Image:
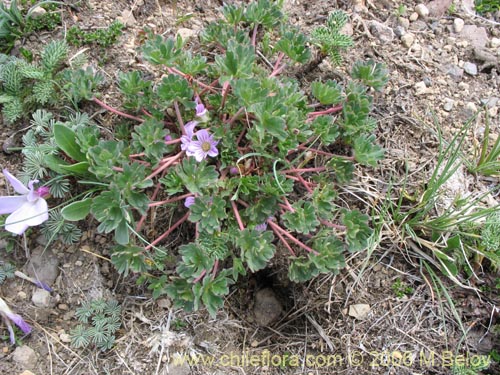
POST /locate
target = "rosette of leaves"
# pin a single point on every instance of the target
(100, 320)
(272, 190)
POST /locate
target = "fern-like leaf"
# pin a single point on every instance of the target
(53, 55)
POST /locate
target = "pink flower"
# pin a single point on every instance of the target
(188, 137)
(27, 209)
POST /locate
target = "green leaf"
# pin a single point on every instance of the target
(302, 269)
(327, 93)
(303, 219)
(56, 164)
(81, 168)
(372, 74)
(256, 248)
(122, 235)
(294, 45)
(358, 231)
(77, 210)
(194, 261)
(366, 151)
(197, 177)
(208, 212)
(66, 141)
(237, 63)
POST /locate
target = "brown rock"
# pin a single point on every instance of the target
(267, 308)
(437, 8)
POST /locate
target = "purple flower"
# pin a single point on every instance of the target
(204, 146)
(261, 227)
(9, 316)
(188, 137)
(40, 284)
(201, 111)
(27, 209)
(168, 137)
(189, 201)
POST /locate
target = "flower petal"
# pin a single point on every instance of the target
(203, 135)
(16, 184)
(28, 215)
(189, 128)
(11, 204)
(19, 321)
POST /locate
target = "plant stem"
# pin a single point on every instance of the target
(283, 241)
(334, 109)
(179, 117)
(171, 200)
(302, 170)
(114, 110)
(168, 162)
(203, 273)
(167, 233)
(237, 215)
(290, 237)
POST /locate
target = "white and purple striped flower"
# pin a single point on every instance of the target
(27, 209)
(8, 317)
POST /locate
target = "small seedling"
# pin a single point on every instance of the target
(401, 289)
(101, 320)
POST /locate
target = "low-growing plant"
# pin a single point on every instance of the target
(101, 319)
(102, 37)
(459, 232)
(401, 289)
(225, 158)
(488, 160)
(6, 271)
(487, 6)
(26, 86)
(16, 22)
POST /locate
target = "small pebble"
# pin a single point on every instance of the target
(42, 298)
(420, 88)
(422, 10)
(495, 42)
(470, 68)
(413, 16)
(62, 306)
(408, 39)
(21, 295)
(492, 112)
(428, 81)
(64, 337)
(448, 104)
(471, 107)
(399, 31)
(78, 263)
(458, 25)
(404, 22)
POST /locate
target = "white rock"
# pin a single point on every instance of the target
(408, 39)
(37, 12)
(359, 311)
(470, 68)
(471, 107)
(458, 25)
(42, 298)
(413, 16)
(422, 10)
(186, 33)
(495, 42)
(493, 111)
(25, 357)
(383, 32)
(127, 18)
(64, 337)
(420, 88)
(448, 104)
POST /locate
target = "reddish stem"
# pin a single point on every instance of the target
(306, 184)
(203, 273)
(332, 225)
(225, 91)
(168, 162)
(302, 170)
(254, 35)
(214, 270)
(283, 241)
(114, 110)
(290, 237)
(236, 115)
(167, 233)
(328, 111)
(179, 117)
(237, 215)
(171, 200)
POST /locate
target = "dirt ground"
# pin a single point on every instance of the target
(352, 323)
